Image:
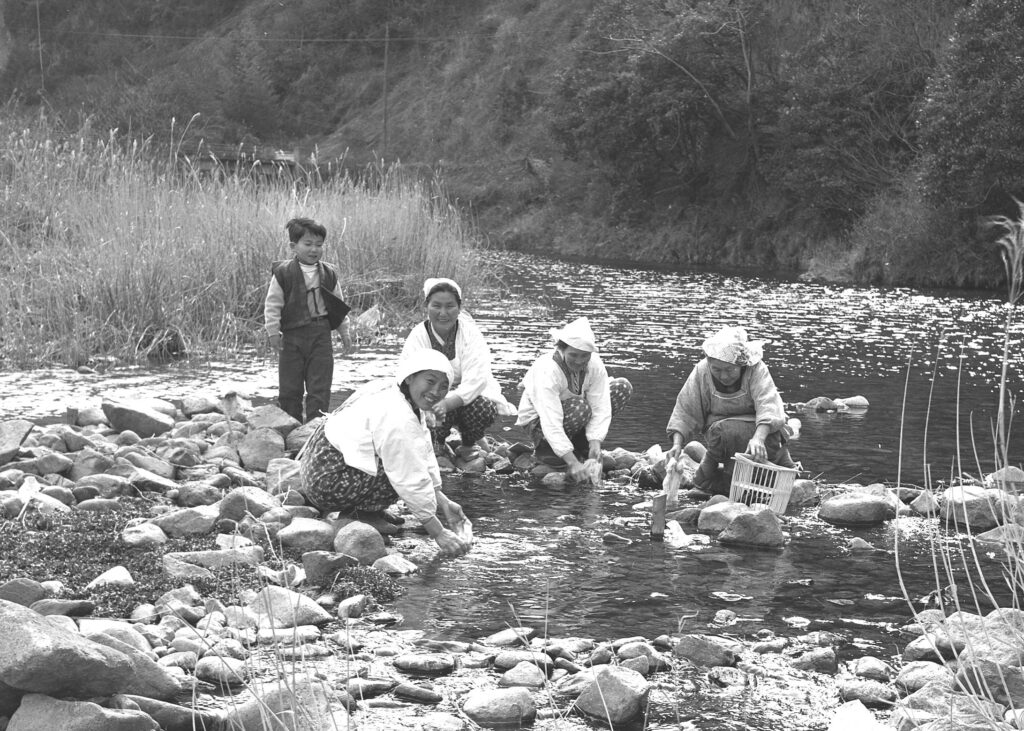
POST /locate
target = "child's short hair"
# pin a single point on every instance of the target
(299, 226)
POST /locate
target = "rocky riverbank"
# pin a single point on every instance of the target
(289, 643)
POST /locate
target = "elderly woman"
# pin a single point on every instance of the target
(375, 448)
(568, 400)
(475, 398)
(730, 399)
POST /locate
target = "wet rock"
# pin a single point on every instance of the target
(503, 706)
(362, 688)
(717, 517)
(259, 447)
(511, 636)
(869, 692)
(818, 660)
(1009, 536)
(417, 693)
(13, 433)
(917, 674)
(872, 668)
(821, 403)
(1000, 683)
(804, 493)
(939, 701)
(223, 672)
(395, 564)
(978, 507)
(525, 674)
(360, 541)
(173, 717)
(925, 504)
(616, 695)
(508, 659)
(1009, 478)
(856, 508)
(142, 420)
(755, 529)
(435, 663)
(853, 716)
(276, 606)
(441, 722)
(707, 650)
(353, 606)
(43, 712)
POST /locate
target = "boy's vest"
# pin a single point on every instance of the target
(295, 312)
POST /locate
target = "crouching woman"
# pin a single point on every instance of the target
(375, 449)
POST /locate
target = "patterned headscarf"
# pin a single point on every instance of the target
(731, 345)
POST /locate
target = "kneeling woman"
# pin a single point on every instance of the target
(475, 397)
(730, 399)
(568, 400)
(375, 448)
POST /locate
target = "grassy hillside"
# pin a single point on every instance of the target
(774, 134)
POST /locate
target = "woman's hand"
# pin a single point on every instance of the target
(756, 449)
(450, 544)
(578, 471)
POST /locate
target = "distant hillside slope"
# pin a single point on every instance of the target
(818, 137)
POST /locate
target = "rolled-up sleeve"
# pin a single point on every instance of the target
(475, 359)
(545, 385)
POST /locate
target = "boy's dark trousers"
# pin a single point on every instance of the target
(306, 365)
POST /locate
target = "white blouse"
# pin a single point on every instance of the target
(472, 363)
(378, 420)
(545, 387)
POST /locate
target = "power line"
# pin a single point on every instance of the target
(253, 39)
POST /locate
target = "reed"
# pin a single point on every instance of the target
(111, 248)
(966, 580)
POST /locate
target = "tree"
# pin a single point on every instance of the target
(972, 118)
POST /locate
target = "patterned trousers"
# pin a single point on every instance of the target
(331, 485)
(576, 413)
(724, 439)
(470, 419)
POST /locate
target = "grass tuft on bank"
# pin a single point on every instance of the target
(109, 247)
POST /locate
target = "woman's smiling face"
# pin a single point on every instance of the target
(443, 310)
(426, 388)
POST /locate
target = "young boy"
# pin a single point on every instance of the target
(302, 309)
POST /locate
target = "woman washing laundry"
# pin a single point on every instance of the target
(731, 400)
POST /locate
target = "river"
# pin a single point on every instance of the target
(928, 363)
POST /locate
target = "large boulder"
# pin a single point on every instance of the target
(978, 507)
(717, 517)
(38, 712)
(511, 707)
(361, 542)
(857, 508)
(12, 434)
(754, 529)
(39, 656)
(137, 418)
(259, 447)
(616, 695)
(278, 607)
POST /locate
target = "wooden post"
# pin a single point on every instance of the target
(658, 517)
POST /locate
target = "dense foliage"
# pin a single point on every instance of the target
(866, 134)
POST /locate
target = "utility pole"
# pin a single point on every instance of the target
(387, 35)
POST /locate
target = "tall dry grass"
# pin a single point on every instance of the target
(966, 577)
(108, 248)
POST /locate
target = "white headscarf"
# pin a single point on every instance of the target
(429, 284)
(423, 360)
(578, 335)
(731, 345)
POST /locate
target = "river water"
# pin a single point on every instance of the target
(928, 363)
